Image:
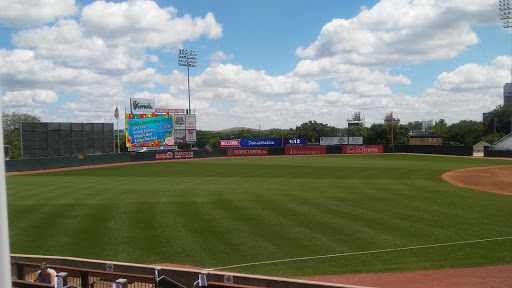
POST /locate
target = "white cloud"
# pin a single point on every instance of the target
(401, 31)
(219, 55)
(22, 13)
(472, 77)
(144, 23)
(67, 44)
(29, 98)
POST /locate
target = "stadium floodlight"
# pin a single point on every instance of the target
(187, 58)
(505, 7)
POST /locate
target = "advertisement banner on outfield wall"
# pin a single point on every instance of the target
(333, 140)
(149, 130)
(294, 142)
(355, 140)
(171, 155)
(306, 150)
(362, 149)
(236, 152)
(230, 143)
(261, 142)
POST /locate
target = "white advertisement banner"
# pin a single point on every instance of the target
(142, 105)
(170, 111)
(179, 121)
(180, 136)
(333, 140)
(191, 135)
(355, 140)
(190, 121)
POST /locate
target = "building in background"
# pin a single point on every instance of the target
(507, 94)
(357, 120)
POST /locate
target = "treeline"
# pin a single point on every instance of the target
(496, 125)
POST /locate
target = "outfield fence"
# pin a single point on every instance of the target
(20, 165)
(86, 273)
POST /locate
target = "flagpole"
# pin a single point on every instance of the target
(116, 114)
(5, 256)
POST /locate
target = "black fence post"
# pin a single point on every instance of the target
(20, 271)
(84, 279)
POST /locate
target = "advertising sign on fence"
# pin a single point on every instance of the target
(316, 150)
(262, 142)
(362, 149)
(190, 121)
(191, 135)
(180, 136)
(171, 155)
(149, 130)
(333, 140)
(247, 152)
(179, 121)
(355, 140)
(294, 141)
(230, 143)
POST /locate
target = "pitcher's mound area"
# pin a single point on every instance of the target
(497, 179)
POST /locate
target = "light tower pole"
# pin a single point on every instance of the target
(189, 59)
(505, 7)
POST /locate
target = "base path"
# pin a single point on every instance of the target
(497, 179)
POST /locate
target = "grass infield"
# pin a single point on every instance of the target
(221, 212)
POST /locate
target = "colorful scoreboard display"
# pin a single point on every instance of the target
(149, 131)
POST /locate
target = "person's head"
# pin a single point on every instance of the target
(44, 266)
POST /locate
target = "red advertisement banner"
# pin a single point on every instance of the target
(247, 152)
(305, 150)
(230, 143)
(362, 149)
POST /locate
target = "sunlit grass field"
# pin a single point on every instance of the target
(222, 212)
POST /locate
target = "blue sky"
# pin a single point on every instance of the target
(271, 63)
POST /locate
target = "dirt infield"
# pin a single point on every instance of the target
(497, 179)
(480, 277)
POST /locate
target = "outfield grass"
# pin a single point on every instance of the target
(221, 212)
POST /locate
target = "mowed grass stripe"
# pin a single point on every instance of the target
(220, 212)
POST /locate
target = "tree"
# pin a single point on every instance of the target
(11, 123)
(440, 128)
(379, 134)
(315, 130)
(467, 132)
(416, 125)
(401, 134)
(503, 116)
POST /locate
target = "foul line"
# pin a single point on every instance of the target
(356, 253)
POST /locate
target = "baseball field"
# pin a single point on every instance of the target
(324, 215)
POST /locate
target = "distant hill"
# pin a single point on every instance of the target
(235, 129)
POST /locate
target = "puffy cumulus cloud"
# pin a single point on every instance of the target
(22, 13)
(400, 31)
(67, 44)
(472, 77)
(219, 55)
(221, 79)
(352, 79)
(29, 98)
(144, 23)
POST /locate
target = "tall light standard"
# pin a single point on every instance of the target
(189, 59)
(505, 14)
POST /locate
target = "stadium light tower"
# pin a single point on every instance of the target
(505, 7)
(189, 59)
